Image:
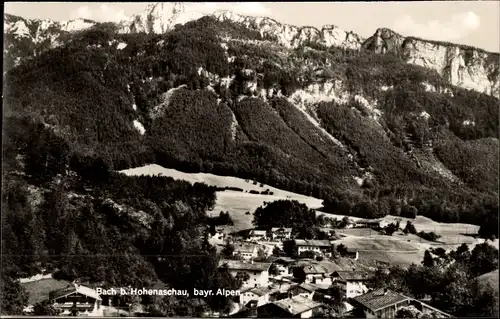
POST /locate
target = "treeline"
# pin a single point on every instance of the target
(70, 214)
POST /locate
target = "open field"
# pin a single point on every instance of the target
(396, 249)
(490, 278)
(235, 202)
(39, 290)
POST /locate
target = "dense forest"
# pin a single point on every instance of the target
(206, 94)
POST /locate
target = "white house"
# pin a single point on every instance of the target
(352, 282)
(259, 295)
(385, 303)
(297, 307)
(258, 273)
(317, 274)
(246, 251)
(319, 246)
(281, 233)
(219, 237)
(258, 235)
(77, 299)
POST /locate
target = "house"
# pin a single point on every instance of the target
(284, 266)
(219, 236)
(246, 251)
(305, 290)
(317, 274)
(319, 246)
(258, 273)
(258, 235)
(281, 234)
(78, 300)
(353, 254)
(259, 295)
(295, 307)
(385, 303)
(352, 282)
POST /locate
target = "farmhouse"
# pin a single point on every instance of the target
(317, 274)
(284, 266)
(295, 307)
(77, 300)
(320, 246)
(368, 223)
(219, 236)
(258, 235)
(258, 273)
(258, 295)
(353, 282)
(281, 234)
(246, 251)
(305, 290)
(385, 303)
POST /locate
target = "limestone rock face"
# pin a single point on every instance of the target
(293, 36)
(463, 66)
(157, 18)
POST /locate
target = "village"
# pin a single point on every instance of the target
(286, 277)
(282, 277)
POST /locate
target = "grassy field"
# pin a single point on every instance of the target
(236, 203)
(39, 290)
(372, 246)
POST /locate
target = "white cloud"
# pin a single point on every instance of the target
(104, 13)
(456, 27)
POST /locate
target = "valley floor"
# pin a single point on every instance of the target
(371, 245)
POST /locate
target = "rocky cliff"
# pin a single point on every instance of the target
(463, 66)
(460, 65)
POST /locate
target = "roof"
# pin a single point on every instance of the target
(287, 229)
(353, 275)
(258, 232)
(315, 269)
(317, 243)
(240, 265)
(262, 291)
(377, 300)
(249, 248)
(75, 288)
(297, 304)
(309, 287)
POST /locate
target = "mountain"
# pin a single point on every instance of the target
(463, 66)
(353, 124)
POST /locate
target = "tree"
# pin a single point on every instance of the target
(273, 270)
(284, 213)
(342, 250)
(228, 250)
(404, 313)
(410, 228)
(483, 259)
(428, 260)
(290, 248)
(13, 297)
(299, 273)
(45, 308)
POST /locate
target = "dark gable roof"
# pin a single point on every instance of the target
(377, 300)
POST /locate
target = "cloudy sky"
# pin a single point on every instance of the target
(475, 23)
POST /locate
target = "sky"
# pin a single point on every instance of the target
(475, 23)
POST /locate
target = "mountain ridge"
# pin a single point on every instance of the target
(464, 66)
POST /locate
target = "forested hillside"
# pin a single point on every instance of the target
(368, 133)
